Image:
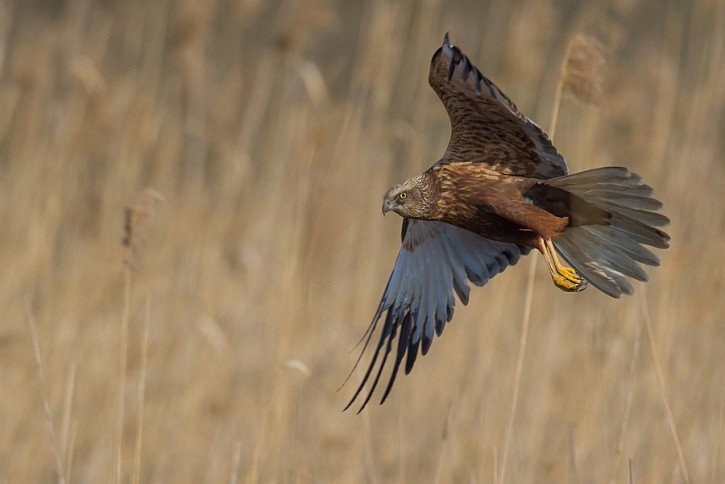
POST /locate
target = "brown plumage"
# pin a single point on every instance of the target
(500, 190)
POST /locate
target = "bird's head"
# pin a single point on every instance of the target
(411, 198)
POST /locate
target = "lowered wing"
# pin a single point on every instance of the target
(436, 259)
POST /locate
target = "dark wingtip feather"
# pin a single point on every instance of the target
(451, 67)
(466, 69)
(412, 355)
(387, 330)
(388, 347)
(426, 344)
(440, 325)
(364, 380)
(405, 332)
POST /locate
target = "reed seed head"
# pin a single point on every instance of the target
(583, 73)
(138, 217)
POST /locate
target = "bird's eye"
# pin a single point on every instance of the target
(403, 195)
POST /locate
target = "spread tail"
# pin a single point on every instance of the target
(612, 217)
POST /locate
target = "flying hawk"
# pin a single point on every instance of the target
(500, 190)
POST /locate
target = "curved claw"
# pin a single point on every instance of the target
(569, 280)
(565, 278)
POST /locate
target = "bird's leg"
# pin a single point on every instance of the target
(568, 272)
(565, 278)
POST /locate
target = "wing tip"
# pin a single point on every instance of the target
(449, 52)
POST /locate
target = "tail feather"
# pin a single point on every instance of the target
(645, 217)
(632, 249)
(613, 254)
(626, 199)
(639, 232)
(608, 251)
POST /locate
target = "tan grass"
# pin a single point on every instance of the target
(138, 444)
(122, 364)
(672, 427)
(69, 424)
(60, 474)
(272, 132)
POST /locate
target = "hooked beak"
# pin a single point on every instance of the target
(387, 206)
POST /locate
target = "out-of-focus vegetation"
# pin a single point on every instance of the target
(272, 129)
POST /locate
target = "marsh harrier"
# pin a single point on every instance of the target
(500, 190)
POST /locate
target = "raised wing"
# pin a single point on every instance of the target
(435, 260)
(486, 126)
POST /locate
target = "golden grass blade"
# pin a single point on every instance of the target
(662, 390)
(46, 408)
(519, 365)
(141, 393)
(66, 445)
(236, 458)
(122, 357)
(372, 473)
(628, 404)
(494, 478)
(444, 445)
(573, 471)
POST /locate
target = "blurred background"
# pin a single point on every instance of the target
(212, 349)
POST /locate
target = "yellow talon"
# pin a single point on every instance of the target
(569, 273)
(566, 284)
(565, 278)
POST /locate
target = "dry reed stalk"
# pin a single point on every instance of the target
(265, 420)
(444, 446)
(137, 222)
(141, 393)
(631, 477)
(369, 457)
(253, 470)
(582, 73)
(71, 445)
(573, 473)
(494, 478)
(236, 459)
(715, 469)
(662, 390)
(46, 406)
(65, 432)
(628, 404)
(519, 365)
(123, 351)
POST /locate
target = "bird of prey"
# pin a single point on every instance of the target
(500, 190)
